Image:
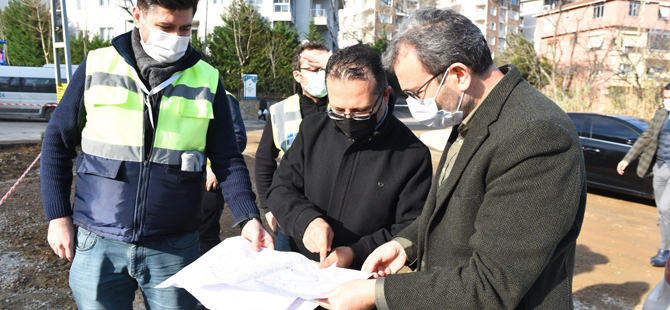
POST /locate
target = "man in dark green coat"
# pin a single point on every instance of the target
(500, 224)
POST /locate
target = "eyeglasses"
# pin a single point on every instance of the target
(415, 94)
(359, 116)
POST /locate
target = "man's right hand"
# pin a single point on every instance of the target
(621, 167)
(318, 238)
(61, 237)
(212, 184)
(385, 260)
(272, 221)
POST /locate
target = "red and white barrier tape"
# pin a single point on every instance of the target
(30, 104)
(20, 179)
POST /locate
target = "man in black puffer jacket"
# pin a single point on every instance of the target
(354, 176)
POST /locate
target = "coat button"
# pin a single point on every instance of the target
(380, 184)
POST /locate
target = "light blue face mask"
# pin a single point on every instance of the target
(317, 83)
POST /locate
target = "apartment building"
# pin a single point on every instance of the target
(367, 20)
(495, 18)
(108, 18)
(612, 45)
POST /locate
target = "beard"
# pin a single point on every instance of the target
(448, 101)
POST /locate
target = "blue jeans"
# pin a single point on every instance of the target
(105, 273)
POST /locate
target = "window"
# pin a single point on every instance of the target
(580, 124)
(514, 2)
(598, 10)
(492, 41)
(511, 29)
(513, 15)
(596, 41)
(9, 83)
(653, 71)
(104, 2)
(106, 33)
(663, 12)
(386, 19)
(385, 2)
(658, 40)
(503, 14)
(502, 27)
(625, 69)
(38, 85)
(634, 8)
(629, 40)
(501, 44)
(81, 4)
(494, 11)
(612, 131)
(282, 5)
(492, 26)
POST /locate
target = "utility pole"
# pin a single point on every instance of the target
(204, 48)
(61, 38)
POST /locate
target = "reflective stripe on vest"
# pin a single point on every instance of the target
(115, 113)
(286, 119)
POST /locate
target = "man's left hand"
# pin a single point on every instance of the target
(259, 237)
(353, 295)
(342, 257)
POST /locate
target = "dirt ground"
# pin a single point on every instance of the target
(612, 265)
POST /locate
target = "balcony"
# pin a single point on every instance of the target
(282, 12)
(319, 16)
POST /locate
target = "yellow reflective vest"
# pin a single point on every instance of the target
(286, 118)
(112, 97)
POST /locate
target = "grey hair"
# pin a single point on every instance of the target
(440, 39)
(357, 62)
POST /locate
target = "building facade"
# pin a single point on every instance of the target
(607, 45)
(366, 21)
(495, 18)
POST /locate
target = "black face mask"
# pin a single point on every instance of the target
(357, 129)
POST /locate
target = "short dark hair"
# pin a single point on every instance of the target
(357, 62)
(667, 87)
(172, 5)
(440, 39)
(316, 45)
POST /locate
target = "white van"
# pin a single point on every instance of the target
(28, 92)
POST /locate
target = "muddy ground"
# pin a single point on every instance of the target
(612, 265)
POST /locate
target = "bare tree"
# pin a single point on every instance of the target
(39, 21)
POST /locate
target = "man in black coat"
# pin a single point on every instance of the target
(354, 176)
(501, 221)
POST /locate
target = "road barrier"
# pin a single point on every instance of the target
(30, 104)
(20, 179)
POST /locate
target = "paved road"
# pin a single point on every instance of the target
(14, 130)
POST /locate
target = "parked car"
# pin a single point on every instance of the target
(605, 141)
(659, 297)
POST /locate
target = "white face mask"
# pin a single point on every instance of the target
(425, 111)
(666, 103)
(317, 83)
(162, 46)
